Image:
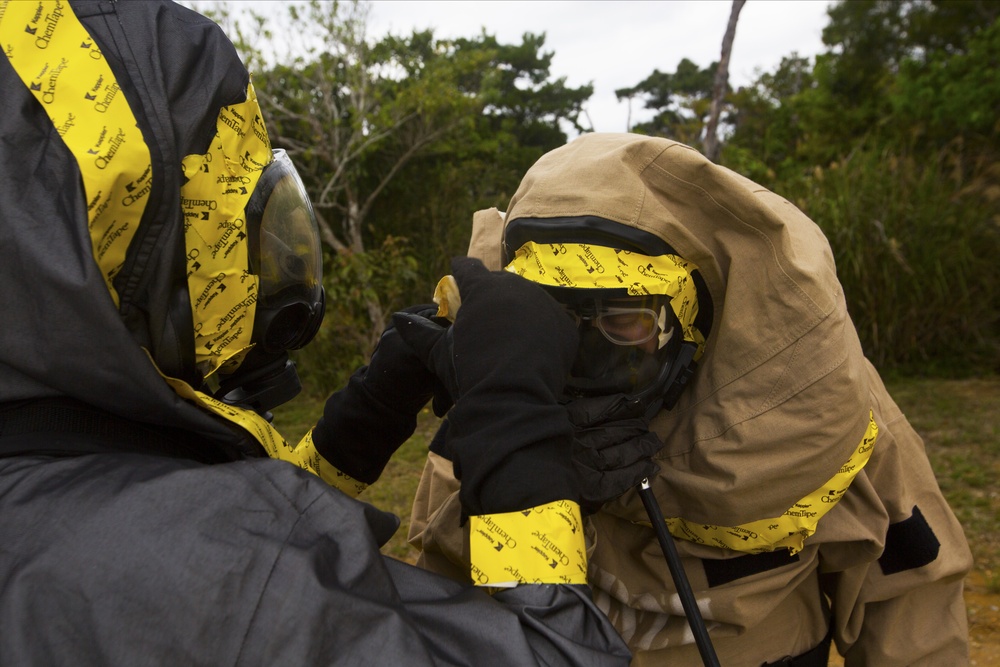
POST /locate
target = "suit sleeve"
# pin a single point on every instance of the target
(904, 605)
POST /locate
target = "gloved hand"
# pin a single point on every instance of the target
(364, 423)
(505, 360)
(612, 453)
(397, 377)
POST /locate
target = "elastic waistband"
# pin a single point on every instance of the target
(67, 427)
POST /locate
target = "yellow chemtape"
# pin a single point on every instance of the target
(585, 266)
(541, 545)
(304, 454)
(62, 66)
(791, 528)
(219, 184)
(447, 297)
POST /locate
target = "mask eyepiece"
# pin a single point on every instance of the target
(622, 324)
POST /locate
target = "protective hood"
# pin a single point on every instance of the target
(116, 120)
(779, 402)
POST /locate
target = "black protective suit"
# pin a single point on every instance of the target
(122, 559)
(136, 527)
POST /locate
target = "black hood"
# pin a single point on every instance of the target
(63, 334)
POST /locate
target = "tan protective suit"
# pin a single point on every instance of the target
(779, 403)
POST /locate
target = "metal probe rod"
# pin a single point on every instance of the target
(677, 573)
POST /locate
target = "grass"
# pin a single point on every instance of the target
(958, 419)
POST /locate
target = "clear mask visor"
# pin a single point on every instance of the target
(290, 254)
(286, 256)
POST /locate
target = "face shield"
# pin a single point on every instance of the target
(635, 300)
(286, 256)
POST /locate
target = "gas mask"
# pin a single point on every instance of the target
(635, 300)
(285, 256)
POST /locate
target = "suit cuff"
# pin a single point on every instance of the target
(540, 545)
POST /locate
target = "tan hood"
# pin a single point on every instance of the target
(780, 399)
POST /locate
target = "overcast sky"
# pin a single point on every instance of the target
(613, 44)
(616, 44)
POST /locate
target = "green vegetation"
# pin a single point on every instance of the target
(888, 140)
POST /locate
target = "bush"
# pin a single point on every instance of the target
(362, 291)
(916, 242)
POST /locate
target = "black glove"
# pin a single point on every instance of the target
(612, 454)
(505, 360)
(364, 423)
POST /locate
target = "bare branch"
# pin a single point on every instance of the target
(720, 84)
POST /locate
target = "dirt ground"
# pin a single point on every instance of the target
(984, 624)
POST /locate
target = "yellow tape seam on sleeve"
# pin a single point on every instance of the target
(540, 545)
(304, 454)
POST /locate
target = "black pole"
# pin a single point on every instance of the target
(677, 573)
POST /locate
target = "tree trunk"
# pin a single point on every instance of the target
(720, 84)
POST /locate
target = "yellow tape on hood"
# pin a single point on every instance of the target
(57, 60)
(585, 266)
(219, 184)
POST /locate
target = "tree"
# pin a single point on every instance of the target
(890, 144)
(479, 165)
(355, 114)
(399, 140)
(681, 100)
(343, 100)
(721, 84)
(766, 117)
(953, 90)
